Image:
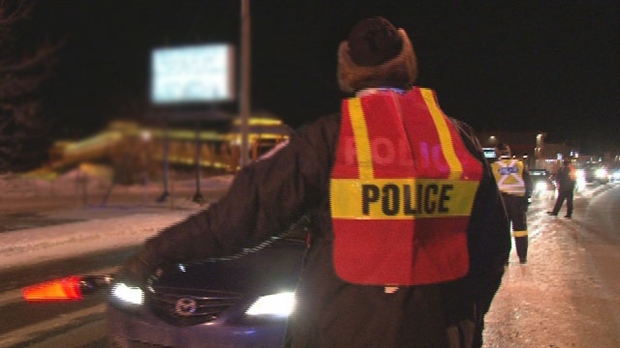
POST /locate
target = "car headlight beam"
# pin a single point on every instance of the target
(128, 294)
(581, 174)
(281, 304)
(540, 186)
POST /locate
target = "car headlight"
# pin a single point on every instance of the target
(132, 295)
(601, 173)
(281, 304)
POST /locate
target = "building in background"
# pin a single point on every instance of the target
(528, 146)
(132, 149)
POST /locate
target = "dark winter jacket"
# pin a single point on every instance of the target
(565, 178)
(275, 191)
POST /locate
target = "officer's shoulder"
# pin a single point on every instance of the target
(325, 124)
(328, 120)
(461, 125)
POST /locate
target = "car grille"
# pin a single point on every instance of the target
(186, 310)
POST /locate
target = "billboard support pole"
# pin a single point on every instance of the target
(245, 81)
(166, 194)
(198, 198)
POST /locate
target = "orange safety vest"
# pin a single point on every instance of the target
(572, 172)
(402, 190)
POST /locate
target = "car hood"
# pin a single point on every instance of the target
(272, 268)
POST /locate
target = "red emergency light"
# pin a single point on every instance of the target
(72, 288)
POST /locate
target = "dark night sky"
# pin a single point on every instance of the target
(548, 66)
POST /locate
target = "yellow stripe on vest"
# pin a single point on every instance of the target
(444, 134)
(362, 143)
(401, 198)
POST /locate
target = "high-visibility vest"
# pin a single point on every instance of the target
(402, 190)
(509, 176)
(572, 172)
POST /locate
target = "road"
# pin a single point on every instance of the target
(565, 297)
(75, 324)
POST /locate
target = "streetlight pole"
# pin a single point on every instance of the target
(245, 81)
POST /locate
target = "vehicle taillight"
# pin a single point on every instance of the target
(67, 288)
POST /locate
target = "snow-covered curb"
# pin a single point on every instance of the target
(103, 229)
(29, 246)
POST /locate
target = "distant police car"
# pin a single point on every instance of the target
(598, 174)
(238, 302)
(542, 183)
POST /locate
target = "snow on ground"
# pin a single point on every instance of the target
(99, 229)
(35, 245)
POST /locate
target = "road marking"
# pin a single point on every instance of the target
(29, 332)
(9, 297)
(83, 336)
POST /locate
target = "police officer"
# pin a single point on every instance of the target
(411, 235)
(514, 182)
(566, 178)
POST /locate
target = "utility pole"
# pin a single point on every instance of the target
(245, 82)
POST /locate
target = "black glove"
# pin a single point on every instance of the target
(136, 270)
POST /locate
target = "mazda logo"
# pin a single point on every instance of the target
(185, 307)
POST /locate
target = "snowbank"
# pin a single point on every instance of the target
(102, 229)
(36, 245)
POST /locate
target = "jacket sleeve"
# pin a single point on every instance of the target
(489, 227)
(265, 198)
(529, 185)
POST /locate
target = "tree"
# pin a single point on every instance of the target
(27, 62)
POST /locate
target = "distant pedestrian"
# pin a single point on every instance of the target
(565, 178)
(515, 184)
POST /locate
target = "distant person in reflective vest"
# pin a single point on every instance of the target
(565, 178)
(514, 182)
(410, 234)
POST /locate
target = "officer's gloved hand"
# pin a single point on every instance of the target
(136, 270)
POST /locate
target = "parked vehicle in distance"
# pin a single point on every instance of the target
(543, 185)
(615, 174)
(596, 174)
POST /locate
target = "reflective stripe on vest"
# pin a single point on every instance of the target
(509, 176)
(402, 190)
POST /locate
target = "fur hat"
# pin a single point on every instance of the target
(376, 54)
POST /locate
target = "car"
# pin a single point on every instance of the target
(237, 302)
(542, 184)
(596, 174)
(615, 174)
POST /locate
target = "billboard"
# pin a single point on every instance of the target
(489, 152)
(192, 74)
